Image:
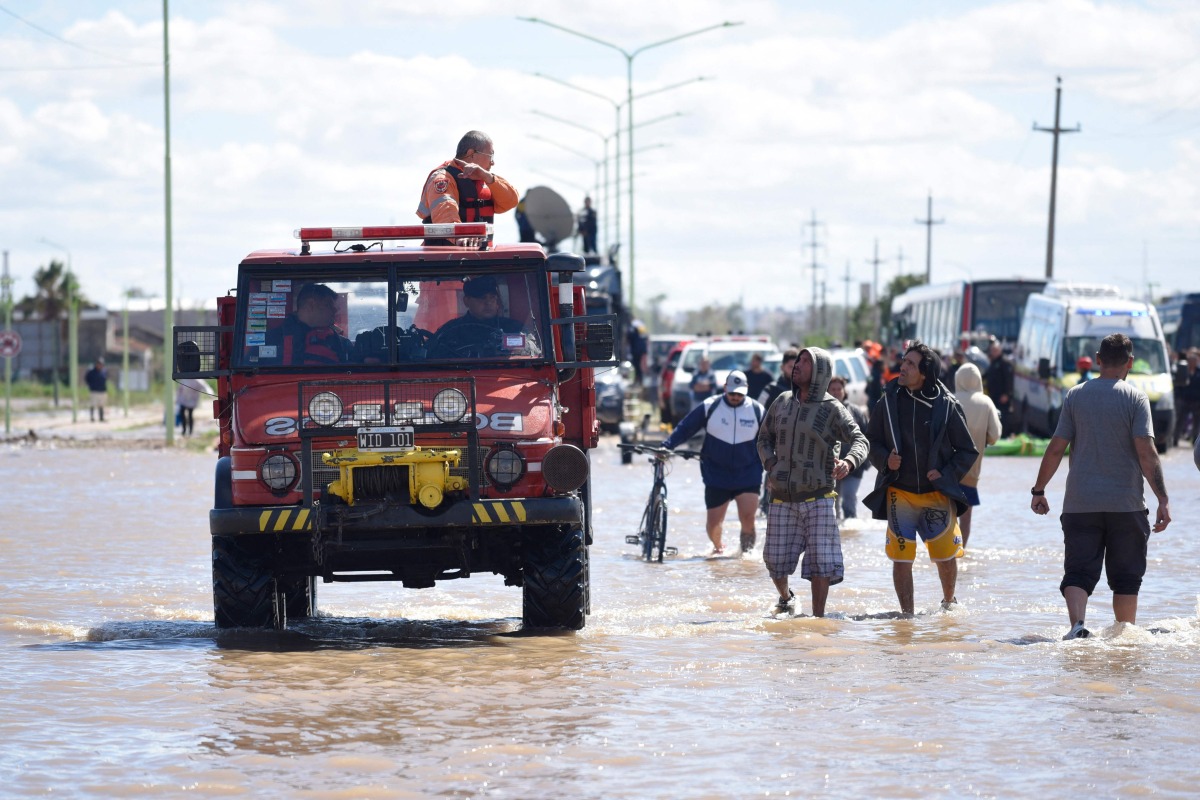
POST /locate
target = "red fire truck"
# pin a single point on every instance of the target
(411, 403)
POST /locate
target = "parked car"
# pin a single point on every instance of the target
(851, 363)
(659, 348)
(726, 353)
(666, 379)
(610, 397)
(854, 365)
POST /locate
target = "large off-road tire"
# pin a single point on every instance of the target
(556, 579)
(243, 586)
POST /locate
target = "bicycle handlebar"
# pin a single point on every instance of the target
(659, 451)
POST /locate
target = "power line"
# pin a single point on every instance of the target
(61, 40)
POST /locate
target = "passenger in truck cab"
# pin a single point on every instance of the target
(483, 330)
(308, 336)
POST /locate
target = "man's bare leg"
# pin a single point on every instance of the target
(1125, 608)
(820, 591)
(713, 521)
(948, 574)
(1077, 600)
(747, 508)
(902, 578)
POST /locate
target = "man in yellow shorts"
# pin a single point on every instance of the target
(921, 447)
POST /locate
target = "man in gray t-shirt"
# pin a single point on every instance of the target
(1106, 423)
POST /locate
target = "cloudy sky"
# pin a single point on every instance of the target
(306, 112)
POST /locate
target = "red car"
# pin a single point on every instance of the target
(666, 378)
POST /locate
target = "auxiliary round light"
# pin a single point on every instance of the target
(449, 405)
(278, 472)
(325, 409)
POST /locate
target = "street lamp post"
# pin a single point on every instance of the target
(604, 161)
(630, 55)
(125, 352)
(616, 136)
(72, 332)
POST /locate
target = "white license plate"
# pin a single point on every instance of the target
(389, 438)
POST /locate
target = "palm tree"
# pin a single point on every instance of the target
(54, 287)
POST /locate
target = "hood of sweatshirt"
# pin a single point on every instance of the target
(821, 374)
(967, 380)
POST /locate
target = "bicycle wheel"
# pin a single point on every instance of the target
(658, 529)
(645, 532)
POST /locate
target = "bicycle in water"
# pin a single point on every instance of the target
(652, 536)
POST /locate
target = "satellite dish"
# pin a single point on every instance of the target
(549, 215)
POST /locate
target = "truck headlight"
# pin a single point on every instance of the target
(325, 409)
(278, 472)
(504, 467)
(449, 405)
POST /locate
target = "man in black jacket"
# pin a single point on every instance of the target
(921, 447)
(998, 383)
(784, 382)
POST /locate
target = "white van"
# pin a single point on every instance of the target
(1068, 321)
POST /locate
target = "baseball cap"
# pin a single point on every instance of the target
(481, 286)
(736, 383)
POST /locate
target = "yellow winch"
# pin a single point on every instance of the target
(428, 472)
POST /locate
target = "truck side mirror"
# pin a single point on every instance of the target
(1044, 368)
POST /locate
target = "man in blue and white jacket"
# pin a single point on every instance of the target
(729, 463)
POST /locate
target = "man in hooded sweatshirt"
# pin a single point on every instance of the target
(921, 448)
(799, 443)
(983, 420)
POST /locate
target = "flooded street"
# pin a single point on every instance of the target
(117, 684)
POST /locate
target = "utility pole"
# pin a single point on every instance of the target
(1056, 130)
(899, 261)
(824, 317)
(814, 266)
(929, 222)
(168, 396)
(877, 312)
(6, 302)
(875, 262)
(847, 300)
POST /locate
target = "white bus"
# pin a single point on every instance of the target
(943, 315)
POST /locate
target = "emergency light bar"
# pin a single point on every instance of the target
(454, 230)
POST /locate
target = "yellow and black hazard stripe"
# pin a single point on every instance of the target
(490, 512)
(284, 519)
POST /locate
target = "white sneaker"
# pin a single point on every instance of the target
(1077, 632)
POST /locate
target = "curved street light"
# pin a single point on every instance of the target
(630, 55)
(615, 216)
(604, 161)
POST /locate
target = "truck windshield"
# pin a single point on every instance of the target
(1148, 356)
(327, 320)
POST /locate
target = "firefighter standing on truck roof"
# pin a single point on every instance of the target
(465, 189)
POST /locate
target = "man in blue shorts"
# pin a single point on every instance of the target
(800, 444)
(1106, 423)
(922, 448)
